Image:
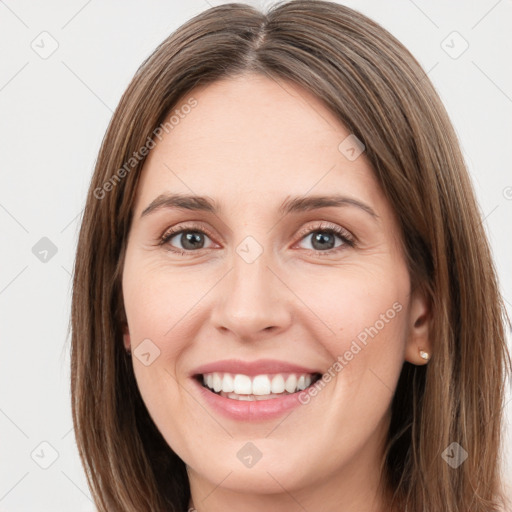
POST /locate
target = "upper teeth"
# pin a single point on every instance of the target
(258, 384)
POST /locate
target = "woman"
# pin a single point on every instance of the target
(283, 296)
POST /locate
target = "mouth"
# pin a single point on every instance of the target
(241, 387)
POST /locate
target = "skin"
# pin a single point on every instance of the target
(249, 144)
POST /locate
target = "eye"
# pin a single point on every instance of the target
(323, 238)
(191, 239)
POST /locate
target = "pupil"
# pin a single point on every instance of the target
(322, 239)
(188, 239)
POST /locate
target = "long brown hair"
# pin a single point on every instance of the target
(381, 94)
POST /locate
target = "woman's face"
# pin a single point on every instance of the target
(256, 292)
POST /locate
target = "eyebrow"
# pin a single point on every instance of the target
(290, 205)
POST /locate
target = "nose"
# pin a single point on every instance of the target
(252, 302)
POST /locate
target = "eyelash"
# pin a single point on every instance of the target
(327, 227)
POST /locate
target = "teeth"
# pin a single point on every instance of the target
(227, 383)
(243, 385)
(217, 382)
(259, 387)
(278, 384)
(291, 384)
(248, 398)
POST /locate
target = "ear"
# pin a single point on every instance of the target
(419, 329)
(126, 338)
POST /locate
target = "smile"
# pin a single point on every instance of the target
(259, 387)
(252, 390)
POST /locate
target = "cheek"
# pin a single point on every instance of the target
(363, 329)
(356, 305)
(159, 304)
(154, 309)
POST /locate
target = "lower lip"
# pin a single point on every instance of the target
(245, 410)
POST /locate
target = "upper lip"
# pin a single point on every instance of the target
(258, 367)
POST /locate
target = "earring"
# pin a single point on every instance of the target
(128, 352)
(424, 355)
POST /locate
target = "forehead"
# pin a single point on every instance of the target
(253, 136)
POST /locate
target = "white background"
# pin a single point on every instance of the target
(54, 113)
